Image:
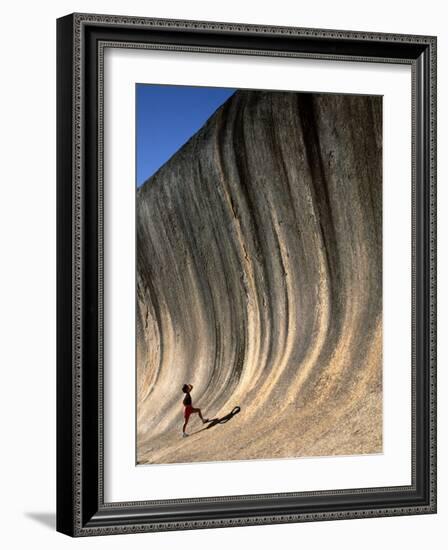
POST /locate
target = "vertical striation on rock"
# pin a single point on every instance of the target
(259, 280)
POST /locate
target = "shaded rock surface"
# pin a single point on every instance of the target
(259, 280)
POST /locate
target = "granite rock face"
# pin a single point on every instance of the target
(259, 281)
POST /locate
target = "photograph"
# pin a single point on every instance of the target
(246, 273)
(259, 304)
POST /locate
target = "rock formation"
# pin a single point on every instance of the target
(259, 280)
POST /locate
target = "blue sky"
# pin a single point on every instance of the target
(167, 116)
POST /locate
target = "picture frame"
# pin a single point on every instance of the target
(81, 506)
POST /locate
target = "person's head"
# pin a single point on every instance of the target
(186, 388)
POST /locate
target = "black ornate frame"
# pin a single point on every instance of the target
(81, 39)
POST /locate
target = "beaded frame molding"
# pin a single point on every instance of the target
(81, 40)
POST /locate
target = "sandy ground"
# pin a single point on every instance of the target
(347, 425)
(294, 434)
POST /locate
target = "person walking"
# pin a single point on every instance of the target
(189, 409)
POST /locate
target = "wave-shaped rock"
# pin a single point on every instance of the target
(259, 280)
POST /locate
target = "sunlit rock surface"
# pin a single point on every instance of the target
(259, 281)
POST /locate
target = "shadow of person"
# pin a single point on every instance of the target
(215, 421)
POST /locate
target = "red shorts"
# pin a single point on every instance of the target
(187, 411)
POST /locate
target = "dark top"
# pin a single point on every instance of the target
(187, 400)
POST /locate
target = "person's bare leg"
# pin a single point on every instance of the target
(200, 415)
(185, 425)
